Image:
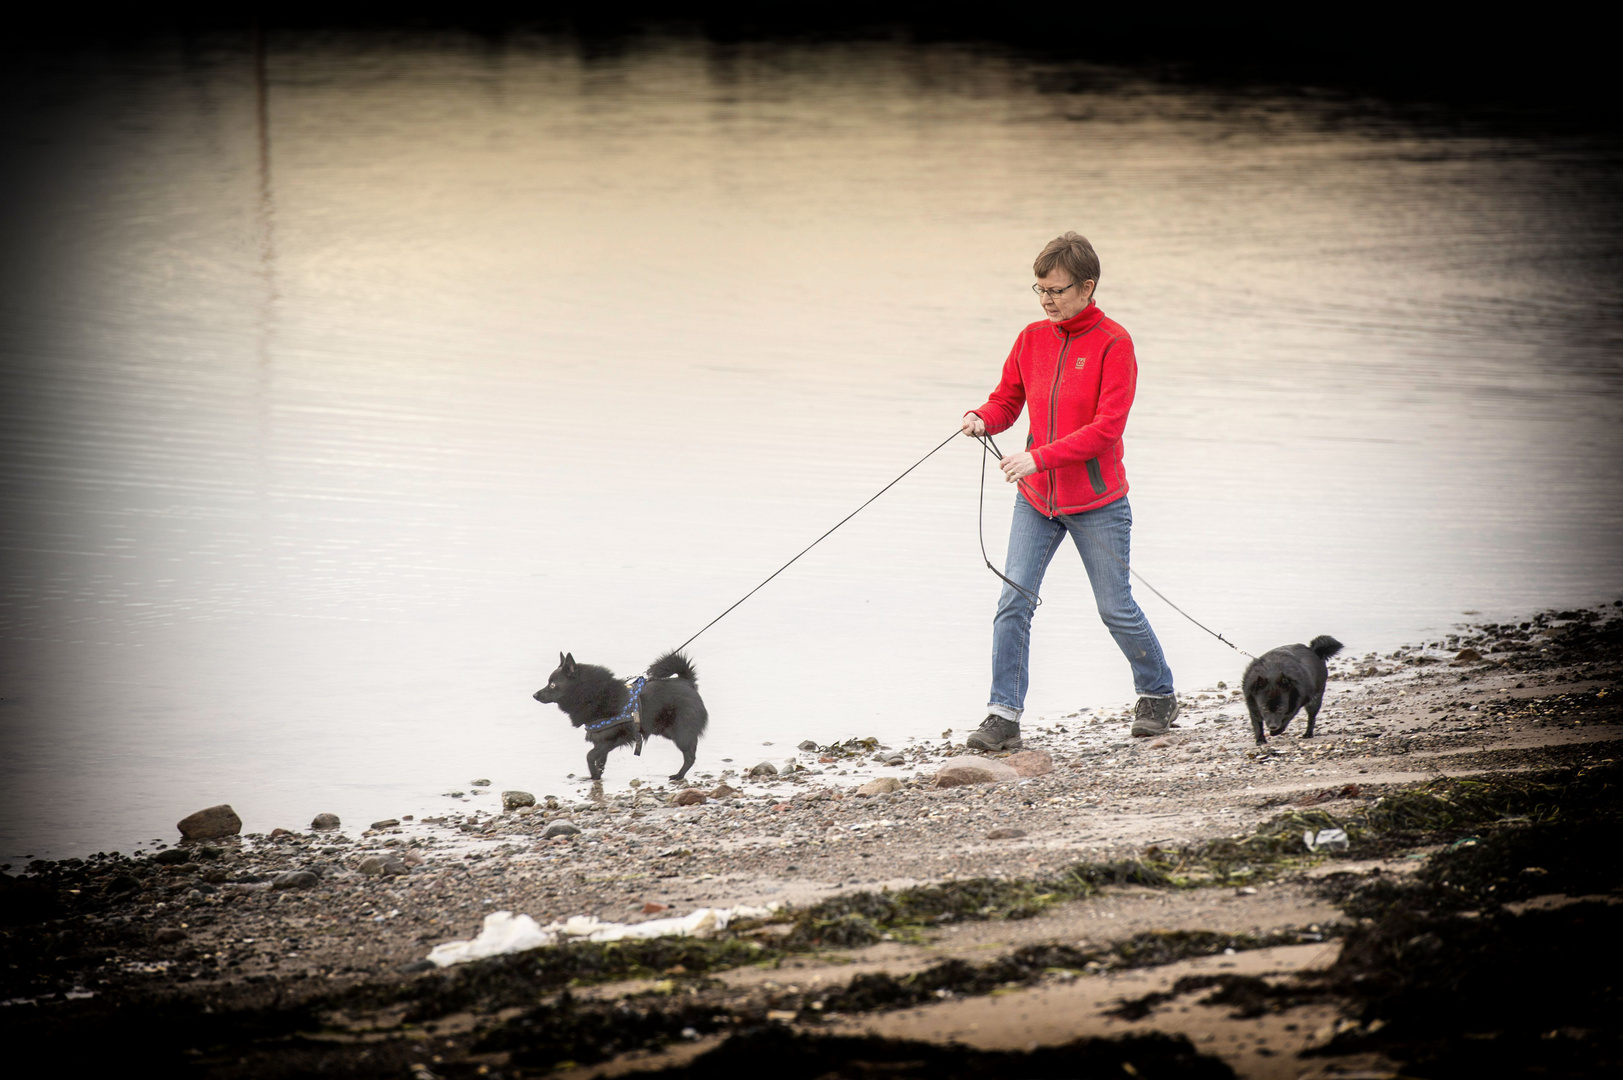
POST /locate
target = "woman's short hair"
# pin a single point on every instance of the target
(1071, 253)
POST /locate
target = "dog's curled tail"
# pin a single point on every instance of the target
(1325, 645)
(673, 663)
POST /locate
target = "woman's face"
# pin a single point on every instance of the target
(1073, 299)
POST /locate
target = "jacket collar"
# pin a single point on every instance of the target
(1086, 319)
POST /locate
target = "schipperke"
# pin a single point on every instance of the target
(1286, 679)
(616, 713)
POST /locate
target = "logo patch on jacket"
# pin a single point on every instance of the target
(1081, 362)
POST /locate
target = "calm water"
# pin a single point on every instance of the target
(336, 404)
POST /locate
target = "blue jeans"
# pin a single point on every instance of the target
(1098, 534)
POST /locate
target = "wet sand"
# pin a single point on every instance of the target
(341, 960)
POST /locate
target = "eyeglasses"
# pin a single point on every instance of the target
(1040, 291)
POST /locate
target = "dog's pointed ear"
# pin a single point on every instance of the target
(560, 659)
(569, 662)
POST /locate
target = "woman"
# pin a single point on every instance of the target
(1074, 374)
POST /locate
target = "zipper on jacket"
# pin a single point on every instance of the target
(1053, 418)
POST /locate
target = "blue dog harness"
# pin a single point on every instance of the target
(632, 712)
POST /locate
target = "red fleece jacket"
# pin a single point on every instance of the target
(1076, 380)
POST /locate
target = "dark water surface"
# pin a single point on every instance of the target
(336, 402)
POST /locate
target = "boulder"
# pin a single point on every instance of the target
(723, 792)
(481, 783)
(295, 879)
(807, 745)
(512, 800)
(173, 857)
(386, 823)
(210, 824)
(896, 759)
(1030, 762)
(381, 866)
(882, 786)
(324, 822)
(1005, 834)
(765, 768)
(688, 797)
(561, 828)
(957, 771)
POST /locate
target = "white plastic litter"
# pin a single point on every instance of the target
(505, 932)
(1326, 840)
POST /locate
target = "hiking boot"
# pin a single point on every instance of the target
(995, 733)
(1153, 715)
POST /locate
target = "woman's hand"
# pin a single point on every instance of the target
(973, 425)
(1017, 465)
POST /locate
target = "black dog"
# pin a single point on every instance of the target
(1286, 679)
(667, 704)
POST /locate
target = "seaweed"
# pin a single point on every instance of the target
(799, 1056)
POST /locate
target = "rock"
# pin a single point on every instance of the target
(1468, 654)
(380, 866)
(807, 745)
(280, 832)
(561, 828)
(295, 879)
(512, 800)
(324, 822)
(652, 908)
(1159, 744)
(765, 768)
(411, 858)
(1005, 834)
(882, 786)
(417, 966)
(210, 824)
(481, 783)
(957, 771)
(688, 797)
(386, 823)
(723, 792)
(173, 857)
(169, 935)
(1030, 762)
(896, 759)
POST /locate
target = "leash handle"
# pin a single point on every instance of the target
(990, 447)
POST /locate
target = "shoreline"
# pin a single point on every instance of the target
(223, 923)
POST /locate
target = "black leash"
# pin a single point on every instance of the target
(990, 447)
(819, 540)
(987, 447)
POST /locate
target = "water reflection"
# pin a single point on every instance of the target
(348, 380)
